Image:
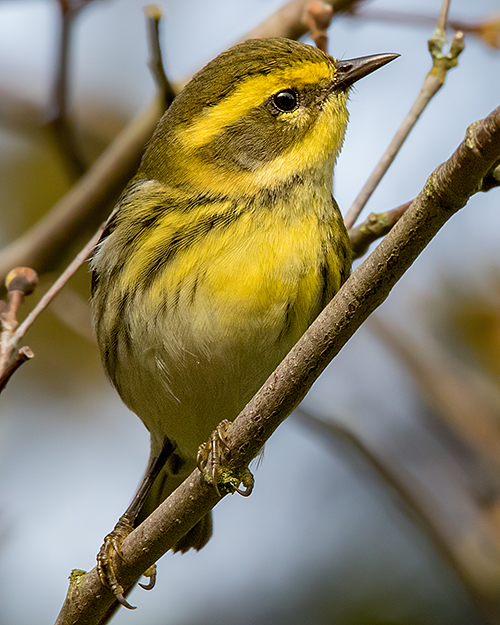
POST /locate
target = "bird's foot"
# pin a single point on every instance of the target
(112, 544)
(211, 461)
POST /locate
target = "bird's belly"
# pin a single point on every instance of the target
(191, 371)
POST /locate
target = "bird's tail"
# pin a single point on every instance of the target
(170, 477)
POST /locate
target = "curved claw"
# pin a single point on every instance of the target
(248, 482)
(111, 544)
(210, 461)
(121, 599)
(151, 573)
(215, 474)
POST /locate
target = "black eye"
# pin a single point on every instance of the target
(286, 100)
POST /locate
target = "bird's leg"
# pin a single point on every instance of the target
(211, 461)
(113, 541)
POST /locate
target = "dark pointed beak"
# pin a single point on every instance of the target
(352, 70)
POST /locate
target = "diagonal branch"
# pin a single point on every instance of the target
(447, 190)
(70, 271)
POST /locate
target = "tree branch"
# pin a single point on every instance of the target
(23, 355)
(20, 282)
(70, 270)
(447, 190)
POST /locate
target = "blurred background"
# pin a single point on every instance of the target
(379, 501)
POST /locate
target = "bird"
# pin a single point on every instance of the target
(222, 250)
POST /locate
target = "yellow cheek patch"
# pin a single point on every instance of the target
(324, 138)
(250, 94)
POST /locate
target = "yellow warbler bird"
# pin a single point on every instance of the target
(224, 247)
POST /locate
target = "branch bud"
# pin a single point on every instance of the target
(22, 279)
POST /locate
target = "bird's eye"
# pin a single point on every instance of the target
(286, 100)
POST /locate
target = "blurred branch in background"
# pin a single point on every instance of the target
(465, 415)
(89, 201)
(288, 21)
(487, 30)
(460, 398)
(86, 204)
(58, 110)
(417, 503)
(317, 18)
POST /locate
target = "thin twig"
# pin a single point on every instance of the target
(375, 226)
(165, 90)
(23, 355)
(12, 333)
(441, 64)
(58, 114)
(317, 18)
(412, 501)
(443, 16)
(8, 325)
(446, 191)
(70, 270)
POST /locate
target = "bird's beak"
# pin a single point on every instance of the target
(350, 71)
